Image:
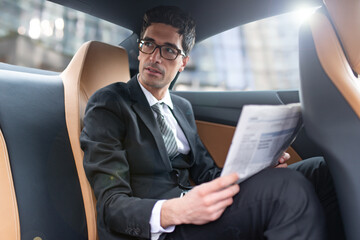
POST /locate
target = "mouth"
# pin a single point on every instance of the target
(153, 70)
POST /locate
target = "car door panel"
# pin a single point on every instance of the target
(217, 114)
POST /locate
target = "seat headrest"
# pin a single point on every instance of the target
(345, 16)
(96, 65)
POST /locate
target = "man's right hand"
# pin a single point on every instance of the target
(203, 204)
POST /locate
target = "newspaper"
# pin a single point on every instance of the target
(262, 134)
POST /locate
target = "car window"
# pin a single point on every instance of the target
(45, 35)
(261, 55)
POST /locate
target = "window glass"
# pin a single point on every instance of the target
(261, 55)
(42, 34)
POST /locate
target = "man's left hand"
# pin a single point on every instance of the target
(282, 160)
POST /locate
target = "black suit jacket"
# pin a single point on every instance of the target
(126, 162)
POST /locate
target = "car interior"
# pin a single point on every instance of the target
(330, 94)
(44, 191)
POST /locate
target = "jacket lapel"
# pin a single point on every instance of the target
(142, 109)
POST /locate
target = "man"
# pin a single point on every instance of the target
(141, 148)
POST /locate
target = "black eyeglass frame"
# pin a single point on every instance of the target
(179, 51)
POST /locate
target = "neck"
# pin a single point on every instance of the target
(157, 92)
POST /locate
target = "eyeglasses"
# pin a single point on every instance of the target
(166, 51)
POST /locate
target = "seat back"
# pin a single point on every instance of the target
(44, 193)
(94, 66)
(40, 193)
(330, 96)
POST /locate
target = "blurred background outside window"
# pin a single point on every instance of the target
(262, 55)
(42, 34)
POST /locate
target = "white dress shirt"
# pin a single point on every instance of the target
(183, 147)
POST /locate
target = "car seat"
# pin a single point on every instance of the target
(94, 66)
(40, 194)
(44, 193)
(330, 96)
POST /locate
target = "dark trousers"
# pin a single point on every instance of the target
(277, 204)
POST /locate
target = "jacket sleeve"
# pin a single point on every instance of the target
(107, 169)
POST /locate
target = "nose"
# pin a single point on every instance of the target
(156, 56)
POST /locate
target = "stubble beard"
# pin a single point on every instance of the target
(153, 81)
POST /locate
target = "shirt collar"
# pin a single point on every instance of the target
(152, 100)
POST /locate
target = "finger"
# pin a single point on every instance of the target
(219, 183)
(222, 205)
(282, 165)
(284, 157)
(218, 210)
(281, 160)
(222, 195)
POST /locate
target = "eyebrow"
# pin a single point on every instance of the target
(166, 44)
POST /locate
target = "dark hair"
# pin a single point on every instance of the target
(175, 17)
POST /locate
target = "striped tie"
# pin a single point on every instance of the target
(167, 133)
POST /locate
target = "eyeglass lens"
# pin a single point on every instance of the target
(166, 52)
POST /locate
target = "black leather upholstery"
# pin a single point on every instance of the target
(46, 184)
(332, 123)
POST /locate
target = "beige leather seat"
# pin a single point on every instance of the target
(94, 66)
(330, 95)
(9, 225)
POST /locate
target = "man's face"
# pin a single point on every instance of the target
(156, 73)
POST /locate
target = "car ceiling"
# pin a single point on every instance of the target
(211, 16)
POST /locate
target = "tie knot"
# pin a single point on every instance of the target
(156, 108)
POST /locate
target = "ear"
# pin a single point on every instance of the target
(184, 61)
